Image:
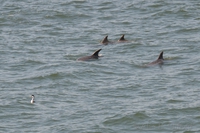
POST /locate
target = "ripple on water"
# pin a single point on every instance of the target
(41, 41)
(127, 119)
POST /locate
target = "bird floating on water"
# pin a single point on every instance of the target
(32, 100)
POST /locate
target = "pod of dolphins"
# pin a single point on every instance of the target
(105, 41)
(96, 56)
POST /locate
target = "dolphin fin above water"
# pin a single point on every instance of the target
(122, 39)
(105, 40)
(160, 60)
(95, 55)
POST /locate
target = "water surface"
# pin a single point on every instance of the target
(41, 40)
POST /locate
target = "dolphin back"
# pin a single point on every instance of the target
(161, 56)
(122, 38)
(96, 53)
(158, 61)
(105, 40)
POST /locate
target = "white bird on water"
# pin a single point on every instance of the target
(32, 100)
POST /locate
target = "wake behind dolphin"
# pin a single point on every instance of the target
(95, 55)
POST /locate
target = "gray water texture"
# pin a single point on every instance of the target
(40, 41)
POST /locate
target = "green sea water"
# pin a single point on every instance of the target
(41, 40)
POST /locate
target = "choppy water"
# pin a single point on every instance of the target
(40, 41)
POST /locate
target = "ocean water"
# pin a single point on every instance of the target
(41, 40)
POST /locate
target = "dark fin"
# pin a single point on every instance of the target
(96, 53)
(105, 40)
(161, 56)
(122, 38)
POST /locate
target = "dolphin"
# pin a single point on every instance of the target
(122, 39)
(159, 61)
(95, 55)
(105, 41)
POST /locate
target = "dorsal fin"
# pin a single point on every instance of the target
(96, 53)
(161, 56)
(122, 38)
(105, 40)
